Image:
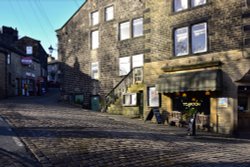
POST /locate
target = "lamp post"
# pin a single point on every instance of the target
(50, 50)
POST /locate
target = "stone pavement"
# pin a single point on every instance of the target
(62, 135)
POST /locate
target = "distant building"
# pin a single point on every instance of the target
(54, 72)
(3, 71)
(33, 47)
(24, 73)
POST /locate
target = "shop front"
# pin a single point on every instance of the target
(28, 84)
(190, 92)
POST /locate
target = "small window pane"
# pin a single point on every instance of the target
(95, 39)
(8, 59)
(133, 99)
(124, 31)
(181, 41)
(197, 2)
(138, 27)
(109, 13)
(95, 70)
(124, 64)
(180, 5)
(199, 38)
(95, 18)
(137, 60)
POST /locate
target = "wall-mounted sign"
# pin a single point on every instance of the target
(153, 96)
(29, 74)
(26, 60)
(223, 102)
(29, 50)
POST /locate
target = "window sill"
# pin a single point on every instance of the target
(107, 21)
(133, 38)
(190, 55)
(130, 105)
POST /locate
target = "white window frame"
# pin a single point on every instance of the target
(124, 65)
(95, 39)
(95, 67)
(124, 30)
(153, 97)
(129, 99)
(94, 18)
(109, 13)
(176, 9)
(177, 38)
(195, 3)
(204, 31)
(137, 60)
(138, 27)
(8, 59)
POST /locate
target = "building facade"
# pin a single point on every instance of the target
(54, 72)
(23, 72)
(91, 46)
(2, 74)
(195, 58)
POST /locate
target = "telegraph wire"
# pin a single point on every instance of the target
(24, 17)
(77, 4)
(38, 19)
(40, 7)
(17, 16)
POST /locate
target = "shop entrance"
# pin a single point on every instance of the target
(185, 104)
(244, 107)
(182, 102)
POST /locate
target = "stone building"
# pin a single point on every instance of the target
(23, 74)
(91, 46)
(33, 47)
(195, 58)
(2, 74)
(54, 72)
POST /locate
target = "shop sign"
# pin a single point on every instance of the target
(29, 74)
(153, 97)
(26, 60)
(195, 104)
(223, 102)
(29, 50)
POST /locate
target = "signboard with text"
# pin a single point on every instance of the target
(26, 60)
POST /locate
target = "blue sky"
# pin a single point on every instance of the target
(38, 18)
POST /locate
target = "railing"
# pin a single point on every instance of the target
(120, 88)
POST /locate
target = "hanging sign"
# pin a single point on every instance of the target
(26, 60)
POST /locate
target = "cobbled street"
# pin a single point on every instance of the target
(57, 134)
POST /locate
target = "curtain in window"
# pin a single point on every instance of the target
(199, 38)
(124, 64)
(138, 27)
(180, 5)
(95, 18)
(95, 39)
(181, 41)
(124, 31)
(109, 13)
(197, 2)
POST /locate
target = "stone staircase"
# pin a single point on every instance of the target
(114, 98)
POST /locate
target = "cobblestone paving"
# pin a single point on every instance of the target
(60, 135)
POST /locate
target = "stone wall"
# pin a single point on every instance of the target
(3, 75)
(75, 50)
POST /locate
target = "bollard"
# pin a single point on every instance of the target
(192, 125)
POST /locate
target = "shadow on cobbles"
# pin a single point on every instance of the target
(89, 133)
(12, 159)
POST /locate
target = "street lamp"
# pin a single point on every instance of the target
(51, 50)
